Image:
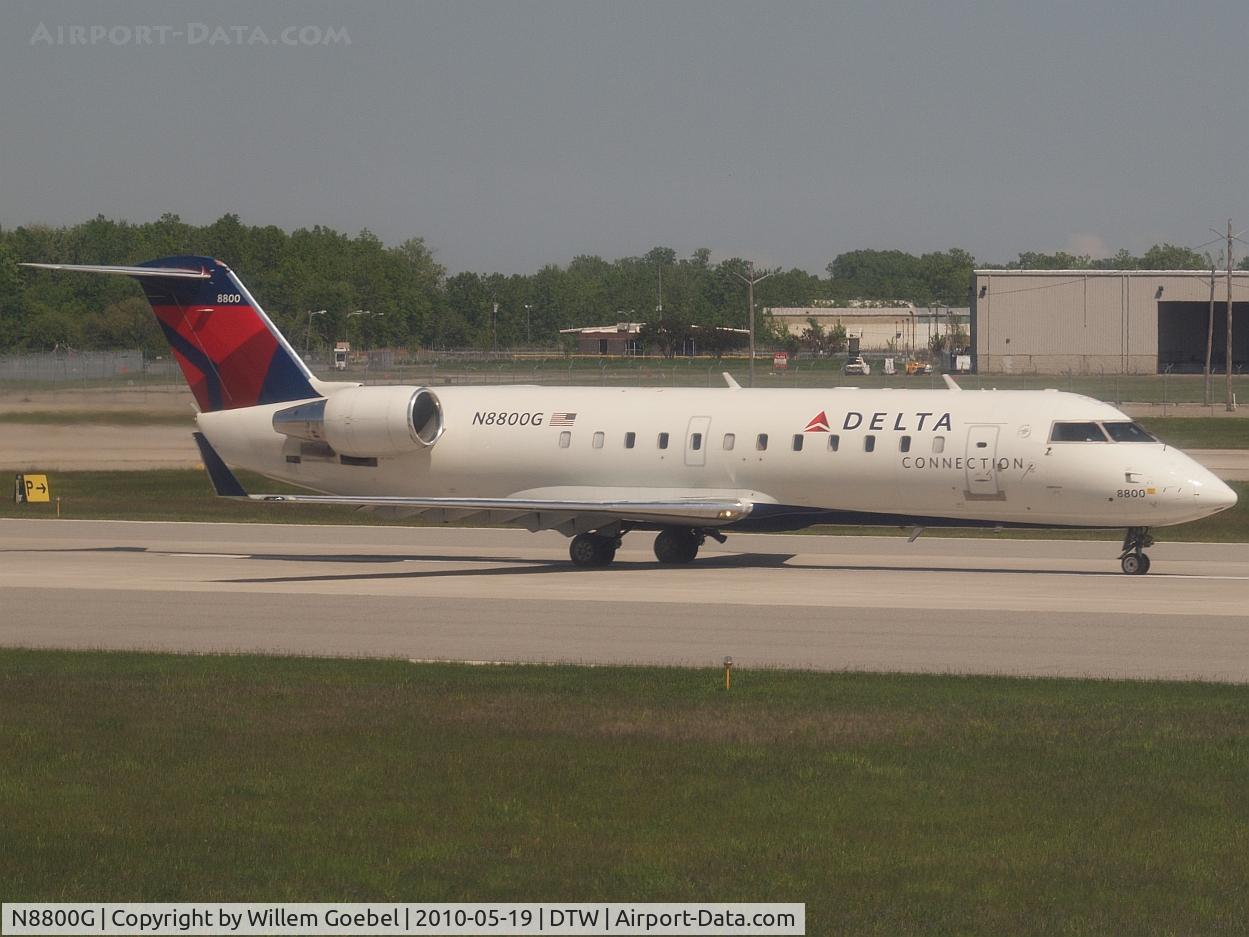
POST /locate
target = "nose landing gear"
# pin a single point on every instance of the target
(1133, 559)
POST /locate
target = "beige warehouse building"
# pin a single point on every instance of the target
(880, 329)
(1105, 321)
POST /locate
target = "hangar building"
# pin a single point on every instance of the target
(1105, 321)
(897, 329)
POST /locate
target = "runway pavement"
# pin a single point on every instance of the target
(870, 603)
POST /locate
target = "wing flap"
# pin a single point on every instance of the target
(693, 511)
(539, 513)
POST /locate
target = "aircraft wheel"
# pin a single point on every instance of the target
(1135, 564)
(677, 545)
(591, 550)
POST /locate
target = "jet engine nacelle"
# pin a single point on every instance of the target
(367, 421)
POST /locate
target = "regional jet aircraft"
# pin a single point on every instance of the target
(598, 463)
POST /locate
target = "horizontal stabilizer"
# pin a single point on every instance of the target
(175, 273)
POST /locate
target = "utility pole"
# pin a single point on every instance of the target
(308, 331)
(1230, 405)
(750, 280)
(1209, 336)
(1231, 400)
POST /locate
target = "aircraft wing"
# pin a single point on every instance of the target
(569, 516)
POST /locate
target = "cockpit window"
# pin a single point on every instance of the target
(1128, 432)
(1077, 432)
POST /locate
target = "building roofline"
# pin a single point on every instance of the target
(1106, 273)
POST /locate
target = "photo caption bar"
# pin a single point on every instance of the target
(304, 918)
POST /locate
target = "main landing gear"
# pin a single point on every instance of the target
(590, 550)
(678, 545)
(673, 546)
(1133, 559)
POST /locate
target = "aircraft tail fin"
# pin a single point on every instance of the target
(230, 352)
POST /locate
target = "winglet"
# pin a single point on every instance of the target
(730, 381)
(224, 482)
(950, 382)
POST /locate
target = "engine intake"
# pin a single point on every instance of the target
(367, 421)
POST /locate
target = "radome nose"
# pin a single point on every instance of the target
(1217, 494)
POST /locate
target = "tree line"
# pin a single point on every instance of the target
(378, 295)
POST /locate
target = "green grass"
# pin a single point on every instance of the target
(174, 495)
(1200, 433)
(104, 417)
(889, 804)
(186, 495)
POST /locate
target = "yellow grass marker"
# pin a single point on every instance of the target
(30, 489)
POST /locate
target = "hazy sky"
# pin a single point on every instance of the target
(510, 135)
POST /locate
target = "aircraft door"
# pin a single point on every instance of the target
(981, 461)
(696, 440)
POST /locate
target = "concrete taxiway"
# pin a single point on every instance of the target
(870, 603)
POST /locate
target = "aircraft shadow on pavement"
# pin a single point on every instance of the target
(521, 567)
(516, 566)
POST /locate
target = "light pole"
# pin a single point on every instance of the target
(308, 332)
(1231, 405)
(363, 312)
(750, 280)
(528, 331)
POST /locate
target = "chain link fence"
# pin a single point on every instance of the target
(124, 370)
(86, 367)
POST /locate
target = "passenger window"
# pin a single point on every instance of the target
(1077, 432)
(761, 442)
(696, 441)
(797, 442)
(904, 444)
(833, 442)
(729, 440)
(938, 445)
(1128, 432)
(596, 441)
(663, 440)
(565, 439)
(630, 439)
(869, 443)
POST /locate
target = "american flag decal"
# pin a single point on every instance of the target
(563, 419)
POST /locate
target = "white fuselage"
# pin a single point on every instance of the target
(849, 455)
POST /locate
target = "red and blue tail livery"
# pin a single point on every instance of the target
(229, 350)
